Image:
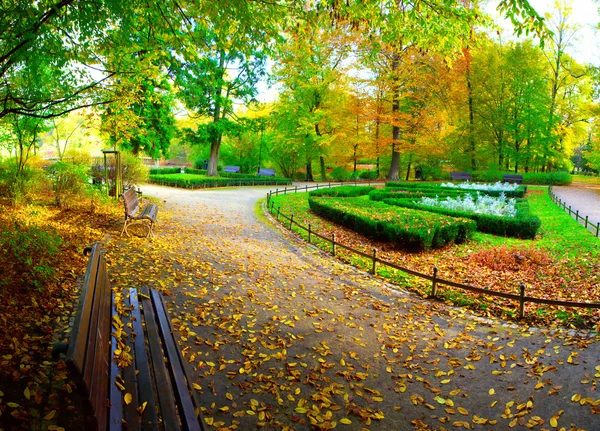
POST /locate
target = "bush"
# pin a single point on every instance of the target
(339, 174)
(194, 171)
(199, 164)
(27, 252)
(164, 171)
(342, 191)
(69, 182)
(177, 180)
(548, 178)
(20, 187)
(524, 225)
(134, 171)
(412, 230)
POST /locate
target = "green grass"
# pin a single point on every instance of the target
(586, 179)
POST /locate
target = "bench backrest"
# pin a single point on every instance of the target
(513, 177)
(231, 169)
(460, 175)
(89, 348)
(130, 201)
(266, 172)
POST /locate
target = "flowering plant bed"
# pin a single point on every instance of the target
(412, 230)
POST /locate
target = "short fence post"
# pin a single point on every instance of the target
(434, 282)
(278, 209)
(306, 188)
(598, 229)
(317, 186)
(522, 301)
(309, 232)
(577, 215)
(374, 270)
(296, 190)
(586, 221)
(333, 244)
(291, 221)
(569, 209)
(285, 191)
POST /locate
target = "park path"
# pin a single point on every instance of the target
(280, 336)
(583, 197)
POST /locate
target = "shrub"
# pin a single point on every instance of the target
(200, 164)
(199, 182)
(342, 191)
(164, 171)
(27, 251)
(194, 171)
(20, 186)
(339, 174)
(548, 178)
(134, 171)
(69, 182)
(412, 230)
(367, 175)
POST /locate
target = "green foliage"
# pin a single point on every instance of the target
(20, 185)
(548, 178)
(199, 163)
(342, 191)
(28, 250)
(69, 182)
(190, 181)
(194, 171)
(409, 229)
(164, 171)
(339, 174)
(524, 225)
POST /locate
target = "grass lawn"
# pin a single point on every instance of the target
(561, 263)
(586, 179)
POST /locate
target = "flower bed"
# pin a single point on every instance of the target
(499, 206)
(412, 230)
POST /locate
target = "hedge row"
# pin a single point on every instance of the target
(431, 187)
(391, 192)
(200, 183)
(524, 225)
(411, 230)
(164, 171)
(343, 191)
(538, 178)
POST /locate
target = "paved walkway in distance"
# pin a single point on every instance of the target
(583, 197)
(279, 336)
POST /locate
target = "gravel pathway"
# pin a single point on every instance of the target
(583, 197)
(281, 336)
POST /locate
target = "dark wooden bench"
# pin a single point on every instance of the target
(266, 172)
(232, 169)
(133, 213)
(125, 359)
(512, 178)
(460, 176)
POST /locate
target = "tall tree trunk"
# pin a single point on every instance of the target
(323, 170)
(409, 166)
(309, 174)
(395, 165)
(215, 144)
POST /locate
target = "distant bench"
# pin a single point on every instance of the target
(151, 389)
(512, 178)
(266, 172)
(232, 169)
(133, 213)
(462, 176)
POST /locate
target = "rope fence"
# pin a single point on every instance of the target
(584, 220)
(434, 278)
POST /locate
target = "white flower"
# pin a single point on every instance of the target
(482, 204)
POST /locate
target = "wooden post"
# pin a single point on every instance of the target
(333, 244)
(296, 190)
(569, 209)
(598, 229)
(309, 232)
(522, 301)
(586, 221)
(374, 270)
(434, 282)
(291, 221)
(577, 215)
(278, 209)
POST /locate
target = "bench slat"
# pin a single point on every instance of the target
(129, 411)
(179, 376)
(76, 353)
(163, 384)
(97, 363)
(116, 403)
(144, 378)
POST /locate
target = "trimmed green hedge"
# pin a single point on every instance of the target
(390, 193)
(412, 230)
(549, 178)
(164, 171)
(524, 225)
(209, 182)
(195, 171)
(342, 191)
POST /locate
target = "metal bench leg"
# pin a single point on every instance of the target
(125, 228)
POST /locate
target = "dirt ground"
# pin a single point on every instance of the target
(281, 336)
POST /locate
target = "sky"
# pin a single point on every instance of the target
(586, 44)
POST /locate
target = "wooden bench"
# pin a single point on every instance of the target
(461, 176)
(512, 178)
(266, 172)
(232, 169)
(133, 213)
(124, 384)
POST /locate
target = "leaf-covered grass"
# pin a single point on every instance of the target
(560, 263)
(586, 179)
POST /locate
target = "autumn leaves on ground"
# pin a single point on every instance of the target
(280, 336)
